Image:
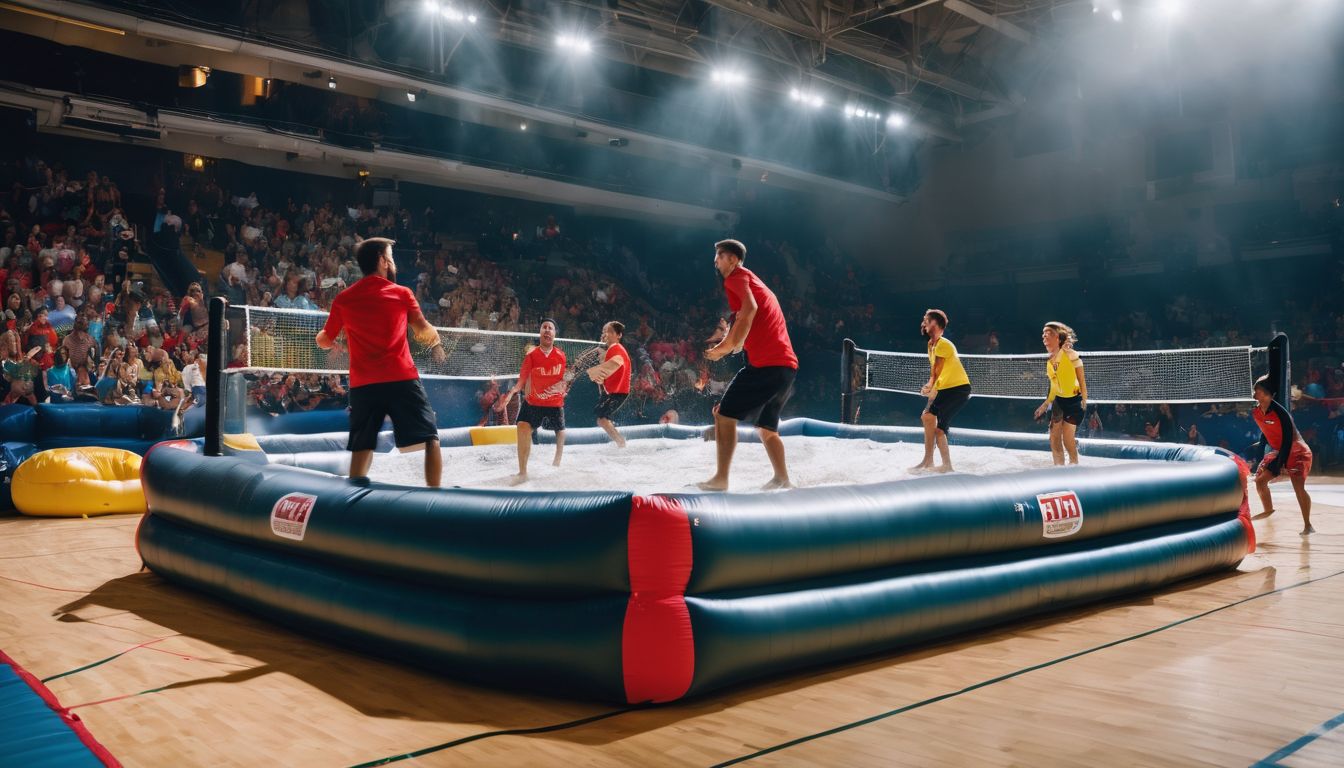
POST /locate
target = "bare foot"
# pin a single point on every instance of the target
(777, 484)
(518, 479)
(926, 464)
(620, 443)
(1266, 513)
(1308, 530)
(555, 463)
(713, 484)
(942, 469)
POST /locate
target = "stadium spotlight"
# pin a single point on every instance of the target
(522, 126)
(331, 82)
(815, 100)
(432, 6)
(897, 120)
(452, 14)
(410, 96)
(1170, 9)
(726, 77)
(1117, 15)
(851, 110)
(471, 18)
(574, 44)
(795, 94)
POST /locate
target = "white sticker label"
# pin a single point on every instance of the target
(1061, 514)
(289, 516)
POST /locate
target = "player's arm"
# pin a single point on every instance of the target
(737, 334)
(1077, 361)
(517, 387)
(427, 334)
(326, 338)
(600, 373)
(935, 370)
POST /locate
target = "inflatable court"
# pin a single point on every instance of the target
(613, 596)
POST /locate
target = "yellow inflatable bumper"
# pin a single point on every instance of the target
(502, 435)
(74, 482)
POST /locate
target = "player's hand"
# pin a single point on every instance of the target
(437, 354)
(926, 390)
(716, 352)
(1040, 409)
(503, 402)
(596, 375)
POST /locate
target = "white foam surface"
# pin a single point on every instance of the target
(670, 466)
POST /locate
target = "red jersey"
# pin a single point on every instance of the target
(1277, 427)
(374, 313)
(618, 383)
(767, 341)
(540, 371)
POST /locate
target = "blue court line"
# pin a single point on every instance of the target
(1329, 725)
(1019, 673)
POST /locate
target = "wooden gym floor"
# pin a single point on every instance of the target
(1241, 668)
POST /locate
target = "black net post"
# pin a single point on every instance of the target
(1281, 370)
(214, 377)
(847, 382)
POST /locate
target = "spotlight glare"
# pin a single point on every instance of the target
(331, 82)
(1170, 9)
(815, 101)
(574, 43)
(722, 76)
(1116, 15)
(522, 126)
(850, 111)
(896, 120)
(471, 18)
(432, 6)
(410, 96)
(795, 95)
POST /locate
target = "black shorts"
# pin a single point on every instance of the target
(413, 421)
(542, 416)
(608, 404)
(758, 389)
(946, 404)
(1067, 409)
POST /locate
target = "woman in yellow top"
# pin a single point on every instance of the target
(1067, 399)
(948, 390)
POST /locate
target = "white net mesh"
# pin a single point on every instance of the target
(1221, 374)
(270, 339)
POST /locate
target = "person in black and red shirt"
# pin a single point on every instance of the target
(763, 386)
(1288, 452)
(543, 376)
(613, 376)
(374, 314)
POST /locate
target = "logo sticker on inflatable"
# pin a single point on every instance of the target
(1061, 514)
(289, 516)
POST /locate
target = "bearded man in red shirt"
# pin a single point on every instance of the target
(374, 314)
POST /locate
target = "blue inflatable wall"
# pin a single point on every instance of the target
(615, 596)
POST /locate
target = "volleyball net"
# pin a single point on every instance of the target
(271, 363)
(1173, 376)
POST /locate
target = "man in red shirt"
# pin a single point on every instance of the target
(762, 386)
(374, 314)
(543, 375)
(613, 376)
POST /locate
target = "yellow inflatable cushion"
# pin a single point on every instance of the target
(73, 482)
(502, 435)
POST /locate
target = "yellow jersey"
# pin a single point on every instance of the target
(1063, 374)
(953, 374)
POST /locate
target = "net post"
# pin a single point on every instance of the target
(847, 382)
(1281, 370)
(214, 377)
